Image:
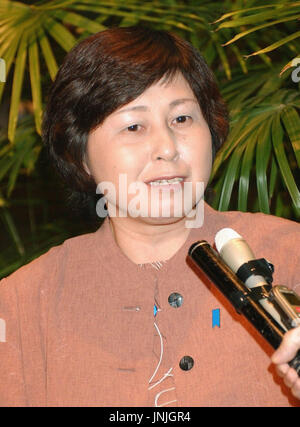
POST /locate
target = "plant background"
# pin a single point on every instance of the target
(250, 46)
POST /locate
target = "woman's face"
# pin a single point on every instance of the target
(162, 133)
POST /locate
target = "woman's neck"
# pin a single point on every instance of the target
(145, 242)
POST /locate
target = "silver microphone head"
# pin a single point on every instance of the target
(233, 249)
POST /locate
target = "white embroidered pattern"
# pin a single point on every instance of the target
(157, 265)
(167, 374)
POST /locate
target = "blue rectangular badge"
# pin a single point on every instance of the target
(216, 317)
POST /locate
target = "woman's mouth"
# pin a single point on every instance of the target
(175, 183)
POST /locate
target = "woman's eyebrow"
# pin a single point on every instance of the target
(145, 108)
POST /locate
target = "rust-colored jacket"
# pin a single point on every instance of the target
(80, 328)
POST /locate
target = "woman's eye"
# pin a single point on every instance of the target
(182, 119)
(132, 128)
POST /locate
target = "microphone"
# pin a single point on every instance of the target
(242, 298)
(237, 254)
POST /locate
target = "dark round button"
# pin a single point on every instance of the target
(186, 363)
(175, 300)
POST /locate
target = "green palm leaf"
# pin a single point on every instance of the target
(8, 55)
(244, 179)
(275, 45)
(79, 21)
(60, 33)
(245, 10)
(9, 222)
(251, 128)
(230, 177)
(258, 27)
(241, 131)
(35, 79)
(273, 177)
(48, 53)
(291, 121)
(287, 176)
(263, 151)
(17, 87)
(261, 17)
(268, 15)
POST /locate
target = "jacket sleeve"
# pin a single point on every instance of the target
(23, 306)
(12, 385)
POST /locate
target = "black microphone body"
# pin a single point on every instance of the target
(205, 257)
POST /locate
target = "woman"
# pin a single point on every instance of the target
(119, 317)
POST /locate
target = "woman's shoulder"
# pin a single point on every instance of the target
(27, 292)
(47, 268)
(258, 226)
(263, 231)
(273, 238)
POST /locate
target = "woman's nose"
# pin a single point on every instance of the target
(164, 145)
